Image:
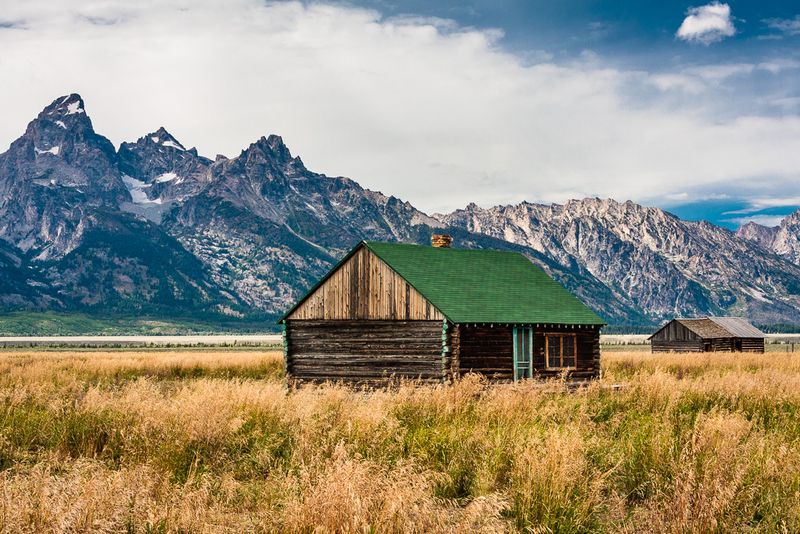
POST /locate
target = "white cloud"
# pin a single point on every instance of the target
(707, 24)
(759, 204)
(434, 113)
(701, 78)
(785, 26)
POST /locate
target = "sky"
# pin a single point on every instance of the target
(689, 106)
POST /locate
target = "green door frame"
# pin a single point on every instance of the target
(520, 359)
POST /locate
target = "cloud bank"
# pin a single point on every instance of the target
(432, 112)
(707, 24)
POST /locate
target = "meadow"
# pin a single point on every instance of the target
(213, 441)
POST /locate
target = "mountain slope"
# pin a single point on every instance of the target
(648, 257)
(62, 199)
(155, 228)
(131, 266)
(783, 240)
(51, 178)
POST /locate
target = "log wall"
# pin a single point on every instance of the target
(365, 287)
(752, 344)
(489, 351)
(660, 345)
(727, 344)
(368, 352)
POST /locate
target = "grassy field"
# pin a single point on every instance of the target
(211, 441)
(27, 323)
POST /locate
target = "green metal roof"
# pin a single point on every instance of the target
(484, 286)
(479, 286)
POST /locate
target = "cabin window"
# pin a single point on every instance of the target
(523, 353)
(561, 350)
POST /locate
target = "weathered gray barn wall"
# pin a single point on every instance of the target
(676, 337)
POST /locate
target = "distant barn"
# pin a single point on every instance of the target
(710, 334)
(433, 313)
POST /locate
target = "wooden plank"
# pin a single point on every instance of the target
(364, 350)
(365, 287)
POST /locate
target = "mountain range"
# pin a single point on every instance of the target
(154, 228)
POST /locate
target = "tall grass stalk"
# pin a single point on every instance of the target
(212, 441)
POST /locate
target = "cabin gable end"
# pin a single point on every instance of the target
(364, 287)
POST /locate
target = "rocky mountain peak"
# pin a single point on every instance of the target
(793, 218)
(66, 115)
(163, 138)
(273, 149)
(267, 160)
(65, 106)
(760, 234)
(61, 134)
(159, 171)
(783, 240)
(57, 173)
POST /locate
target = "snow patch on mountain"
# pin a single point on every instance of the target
(172, 144)
(137, 190)
(166, 177)
(54, 151)
(74, 107)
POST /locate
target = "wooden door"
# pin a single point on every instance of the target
(523, 353)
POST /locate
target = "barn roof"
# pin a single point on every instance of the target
(705, 328)
(481, 286)
(718, 327)
(738, 326)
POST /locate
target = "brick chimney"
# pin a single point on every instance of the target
(441, 240)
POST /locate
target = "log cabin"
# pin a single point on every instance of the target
(709, 334)
(392, 311)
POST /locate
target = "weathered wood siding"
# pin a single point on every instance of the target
(735, 344)
(676, 346)
(454, 346)
(487, 350)
(587, 343)
(675, 337)
(369, 352)
(726, 344)
(752, 344)
(365, 287)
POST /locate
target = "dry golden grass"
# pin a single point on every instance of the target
(212, 441)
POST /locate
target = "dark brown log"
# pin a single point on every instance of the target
(364, 351)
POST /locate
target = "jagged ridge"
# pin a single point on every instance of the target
(157, 228)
